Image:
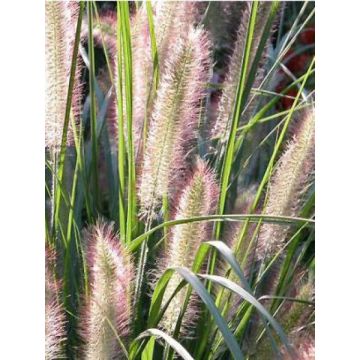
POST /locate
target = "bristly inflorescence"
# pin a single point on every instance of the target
(107, 313)
(142, 77)
(55, 319)
(222, 125)
(171, 22)
(289, 184)
(198, 198)
(60, 18)
(173, 126)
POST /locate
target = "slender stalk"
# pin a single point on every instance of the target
(131, 188)
(121, 140)
(93, 122)
(60, 164)
(154, 51)
(229, 152)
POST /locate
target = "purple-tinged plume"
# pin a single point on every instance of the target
(60, 25)
(55, 320)
(174, 120)
(108, 306)
(223, 122)
(142, 76)
(198, 198)
(290, 182)
(171, 21)
(222, 20)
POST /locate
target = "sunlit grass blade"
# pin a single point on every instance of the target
(154, 51)
(200, 289)
(231, 260)
(241, 217)
(248, 297)
(168, 339)
(127, 56)
(60, 169)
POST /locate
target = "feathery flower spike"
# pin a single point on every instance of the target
(172, 130)
(172, 20)
(222, 124)
(292, 177)
(60, 18)
(198, 199)
(110, 274)
(222, 20)
(55, 334)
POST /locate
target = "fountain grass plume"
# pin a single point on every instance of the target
(222, 20)
(289, 184)
(55, 319)
(60, 19)
(222, 124)
(172, 20)
(173, 126)
(108, 305)
(55, 334)
(198, 198)
(142, 76)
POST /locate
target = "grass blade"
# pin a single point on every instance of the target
(241, 217)
(121, 139)
(127, 56)
(169, 340)
(60, 169)
(93, 125)
(197, 285)
(229, 151)
(248, 297)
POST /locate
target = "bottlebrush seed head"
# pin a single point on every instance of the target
(110, 275)
(173, 126)
(60, 24)
(291, 180)
(222, 20)
(142, 74)
(223, 122)
(55, 334)
(55, 320)
(171, 21)
(198, 198)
